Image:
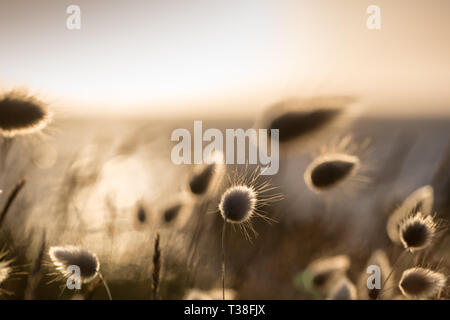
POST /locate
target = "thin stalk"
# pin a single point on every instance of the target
(390, 273)
(223, 257)
(105, 285)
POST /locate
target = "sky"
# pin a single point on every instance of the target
(176, 57)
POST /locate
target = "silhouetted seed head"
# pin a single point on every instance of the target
(420, 200)
(324, 271)
(301, 117)
(421, 283)
(172, 212)
(297, 123)
(87, 261)
(344, 289)
(208, 175)
(417, 232)
(20, 115)
(200, 181)
(327, 171)
(238, 204)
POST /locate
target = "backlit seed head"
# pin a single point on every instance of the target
(201, 179)
(21, 115)
(421, 283)
(420, 200)
(417, 232)
(207, 176)
(238, 204)
(297, 118)
(328, 171)
(87, 261)
(324, 272)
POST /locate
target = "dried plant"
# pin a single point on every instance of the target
(87, 261)
(421, 283)
(34, 277)
(417, 232)
(328, 171)
(21, 114)
(207, 177)
(420, 200)
(11, 197)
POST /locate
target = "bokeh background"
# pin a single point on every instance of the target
(139, 69)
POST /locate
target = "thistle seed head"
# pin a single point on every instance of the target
(297, 118)
(207, 176)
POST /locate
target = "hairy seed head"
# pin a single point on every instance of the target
(87, 261)
(420, 200)
(207, 176)
(327, 171)
(201, 179)
(20, 115)
(417, 232)
(421, 283)
(238, 204)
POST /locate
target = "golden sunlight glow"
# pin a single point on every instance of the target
(175, 56)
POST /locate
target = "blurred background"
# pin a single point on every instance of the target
(136, 70)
